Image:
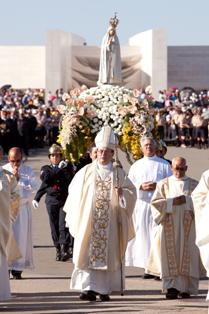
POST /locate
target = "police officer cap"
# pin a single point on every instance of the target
(55, 149)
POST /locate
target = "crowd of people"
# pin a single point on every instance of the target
(182, 116)
(30, 118)
(182, 126)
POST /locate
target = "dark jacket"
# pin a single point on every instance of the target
(55, 184)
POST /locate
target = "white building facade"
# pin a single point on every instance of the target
(66, 62)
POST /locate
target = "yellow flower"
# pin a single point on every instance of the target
(130, 142)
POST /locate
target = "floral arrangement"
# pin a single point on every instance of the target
(87, 110)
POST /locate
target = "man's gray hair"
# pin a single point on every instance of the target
(179, 159)
(150, 138)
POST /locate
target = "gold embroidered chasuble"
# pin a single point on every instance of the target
(100, 226)
(173, 251)
(100, 223)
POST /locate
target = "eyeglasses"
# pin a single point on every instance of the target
(15, 161)
(180, 168)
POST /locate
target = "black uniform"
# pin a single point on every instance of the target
(55, 182)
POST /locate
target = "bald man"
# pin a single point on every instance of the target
(22, 226)
(174, 255)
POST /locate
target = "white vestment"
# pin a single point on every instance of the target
(7, 188)
(200, 198)
(143, 170)
(110, 61)
(100, 239)
(174, 256)
(22, 226)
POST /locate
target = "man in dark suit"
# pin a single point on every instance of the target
(55, 180)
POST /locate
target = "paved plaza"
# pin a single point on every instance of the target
(46, 288)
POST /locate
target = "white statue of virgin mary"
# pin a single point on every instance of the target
(110, 58)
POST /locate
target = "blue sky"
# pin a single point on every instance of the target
(25, 22)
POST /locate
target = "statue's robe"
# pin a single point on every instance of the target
(110, 61)
(101, 225)
(174, 255)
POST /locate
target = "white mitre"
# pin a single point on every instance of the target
(105, 138)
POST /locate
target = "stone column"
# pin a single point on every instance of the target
(153, 53)
(58, 59)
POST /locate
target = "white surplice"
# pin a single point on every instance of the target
(174, 256)
(22, 226)
(143, 170)
(200, 198)
(92, 217)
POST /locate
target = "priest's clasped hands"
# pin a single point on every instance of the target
(15, 172)
(179, 200)
(148, 186)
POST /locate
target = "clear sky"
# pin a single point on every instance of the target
(25, 22)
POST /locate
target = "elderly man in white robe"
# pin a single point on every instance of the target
(144, 174)
(7, 191)
(174, 255)
(22, 226)
(99, 216)
(200, 197)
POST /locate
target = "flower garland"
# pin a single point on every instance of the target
(87, 111)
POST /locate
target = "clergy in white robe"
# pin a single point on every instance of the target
(22, 226)
(99, 216)
(174, 255)
(7, 190)
(110, 58)
(144, 174)
(200, 198)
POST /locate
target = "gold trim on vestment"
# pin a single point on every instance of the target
(170, 245)
(170, 239)
(185, 266)
(100, 224)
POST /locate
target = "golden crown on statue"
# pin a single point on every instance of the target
(114, 21)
